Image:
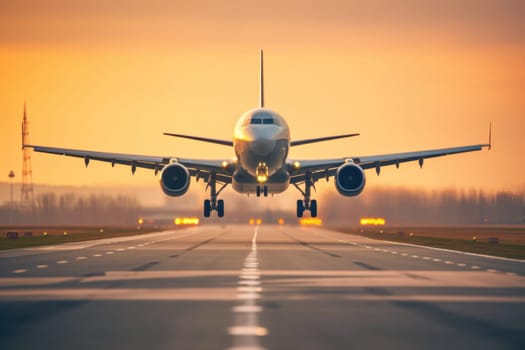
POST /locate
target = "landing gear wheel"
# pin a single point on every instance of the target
(313, 208)
(300, 208)
(265, 190)
(220, 208)
(258, 191)
(207, 208)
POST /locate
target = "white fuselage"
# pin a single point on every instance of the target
(261, 141)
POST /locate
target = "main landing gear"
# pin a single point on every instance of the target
(213, 203)
(307, 203)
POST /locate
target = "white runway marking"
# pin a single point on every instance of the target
(60, 262)
(41, 266)
(81, 258)
(250, 283)
(247, 308)
(97, 255)
(19, 271)
(109, 253)
(120, 250)
(246, 329)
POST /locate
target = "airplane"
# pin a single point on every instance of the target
(260, 166)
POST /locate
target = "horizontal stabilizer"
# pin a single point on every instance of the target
(320, 139)
(204, 139)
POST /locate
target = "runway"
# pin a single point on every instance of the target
(257, 287)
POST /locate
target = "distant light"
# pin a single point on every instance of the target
(372, 221)
(186, 221)
(140, 221)
(224, 164)
(252, 221)
(296, 165)
(65, 233)
(311, 222)
(280, 221)
(101, 230)
(45, 233)
(258, 221)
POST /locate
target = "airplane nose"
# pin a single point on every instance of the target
(262, 147)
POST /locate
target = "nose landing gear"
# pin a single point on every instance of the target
(261, 189)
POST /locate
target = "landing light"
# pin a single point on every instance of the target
(140, 221)
(262, 178)
(224, 164)
(296, 165)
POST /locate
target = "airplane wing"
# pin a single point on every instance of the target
(324, 168)
(199, 168)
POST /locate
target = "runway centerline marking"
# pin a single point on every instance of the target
(19, 271)
(246, 329)
(41, 266)
(60, 262)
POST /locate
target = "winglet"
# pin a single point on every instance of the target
(490, 135)
(261, 82)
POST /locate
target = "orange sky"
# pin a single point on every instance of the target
(114, 75)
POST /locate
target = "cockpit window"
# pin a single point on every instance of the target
(264, 118)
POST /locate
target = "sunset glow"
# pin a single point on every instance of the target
(114, 75)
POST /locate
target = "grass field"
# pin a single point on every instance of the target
(55, 235)
(473, 239)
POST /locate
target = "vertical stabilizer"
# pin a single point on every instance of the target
(261, 83)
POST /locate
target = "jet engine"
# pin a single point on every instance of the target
(350, 179)
(174, 180)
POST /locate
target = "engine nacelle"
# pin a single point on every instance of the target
(350, 179)
(174, 180)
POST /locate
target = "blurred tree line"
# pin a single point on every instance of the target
(71, 209)
(406, 206)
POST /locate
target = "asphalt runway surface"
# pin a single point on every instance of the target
(258, 287)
